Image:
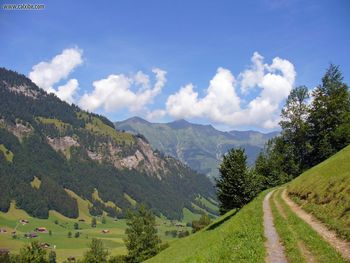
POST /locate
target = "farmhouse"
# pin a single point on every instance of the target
(24, 221)
(45, 245)
(105, 231)
(30, 235)
(3, 230)
(41, 229)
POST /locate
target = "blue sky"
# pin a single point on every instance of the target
(187, 44)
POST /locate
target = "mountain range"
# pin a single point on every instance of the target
(199, 146)
(51, 152)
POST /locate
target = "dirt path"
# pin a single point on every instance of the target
(342, 246)
(275, 251)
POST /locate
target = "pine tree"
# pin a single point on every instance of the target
(52, 257)
(142, 240)
(236, 186)
(295, 127)
(96, 252)
(329, 116)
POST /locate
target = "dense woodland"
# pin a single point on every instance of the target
(314, 127)
(34, 157)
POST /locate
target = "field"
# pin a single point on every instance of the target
(58, 227)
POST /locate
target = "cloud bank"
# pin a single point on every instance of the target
(224, 100)
(222, 105)
(47, 74)
(115, 92)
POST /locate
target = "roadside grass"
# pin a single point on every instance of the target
(293, 230)
(231, 238)
(324, 191)
(287, 235)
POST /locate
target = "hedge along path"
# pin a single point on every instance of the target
(275, 251)
(342, 246)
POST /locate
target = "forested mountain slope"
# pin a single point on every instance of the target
(199, 146)
(45, 139)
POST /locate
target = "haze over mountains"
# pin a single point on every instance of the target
(199, 146)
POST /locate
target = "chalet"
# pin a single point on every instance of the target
(41, 229)
(81, 220)
(71, 259)
(24, 221)
(105, 231)
(45, 245)
(3, 230)
(30, 235)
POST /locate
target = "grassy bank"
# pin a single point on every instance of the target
(324, 191)
(301, 242)
(231, 238)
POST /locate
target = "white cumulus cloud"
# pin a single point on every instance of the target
(47, 74)
(116, 92)
(222, 105)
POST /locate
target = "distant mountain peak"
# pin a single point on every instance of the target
(180, 124)
(137, 119)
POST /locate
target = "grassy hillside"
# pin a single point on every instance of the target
(231, 238)
(324, 191)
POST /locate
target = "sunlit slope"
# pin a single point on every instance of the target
(231, 238)
(324, 190)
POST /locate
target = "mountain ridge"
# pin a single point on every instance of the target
(200, 146)
(67, 148)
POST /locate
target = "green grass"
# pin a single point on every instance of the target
(60, 125)
(231, 238)
(207, 203)
(95, 125)
(324, 191)
(65, 246)
(287, 235)
(293, 231)
(7, 153)
(130, 199)
(189, 216)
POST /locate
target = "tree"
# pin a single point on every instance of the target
(235, 186)
(69, 234)
(203, 221)
(77, 234)
(96, 252)
(32, 253)
(76, 226)
(52, 257)
(103, 221)
(93, 222)
(142, 240)
(329, 116)
(295, 127)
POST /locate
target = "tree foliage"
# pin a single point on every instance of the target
(142, 240)
(236, 185)
(96, 252)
